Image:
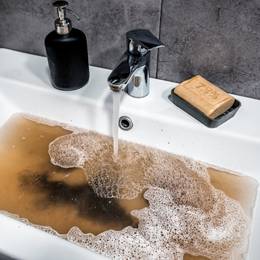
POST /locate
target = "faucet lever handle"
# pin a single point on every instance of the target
(141, 41)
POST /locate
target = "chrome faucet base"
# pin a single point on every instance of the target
(139, 85)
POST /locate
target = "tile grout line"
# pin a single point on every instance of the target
(160, 27)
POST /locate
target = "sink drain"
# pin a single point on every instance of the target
(125, 123)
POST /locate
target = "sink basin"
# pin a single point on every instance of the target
(25, 88)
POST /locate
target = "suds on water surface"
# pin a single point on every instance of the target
(87, 191)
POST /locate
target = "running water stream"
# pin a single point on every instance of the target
(116, 106)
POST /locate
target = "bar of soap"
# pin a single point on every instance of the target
(205, 96)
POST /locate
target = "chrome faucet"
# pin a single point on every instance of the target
(133, 72)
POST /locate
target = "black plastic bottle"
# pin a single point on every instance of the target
(67, 53)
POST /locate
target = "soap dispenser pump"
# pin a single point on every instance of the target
(67, 53)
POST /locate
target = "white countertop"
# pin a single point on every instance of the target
(16, 66)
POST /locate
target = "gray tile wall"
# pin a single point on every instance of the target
(219, 39)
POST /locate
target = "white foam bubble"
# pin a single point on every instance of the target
(186, 213)
(167, 230)
(128, 243)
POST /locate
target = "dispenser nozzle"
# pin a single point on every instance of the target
(61, 8)
(62, 24)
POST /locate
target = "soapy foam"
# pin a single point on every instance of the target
(126, 244)
(186, 214)
(123, 179)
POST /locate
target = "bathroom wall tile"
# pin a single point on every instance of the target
(24, 24)
(219, 39)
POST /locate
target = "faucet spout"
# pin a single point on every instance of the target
(120, 76)
(125, 72)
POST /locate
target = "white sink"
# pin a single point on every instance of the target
(25, 87)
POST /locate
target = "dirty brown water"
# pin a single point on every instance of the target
(33, 188)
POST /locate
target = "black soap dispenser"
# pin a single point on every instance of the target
(67, 52)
